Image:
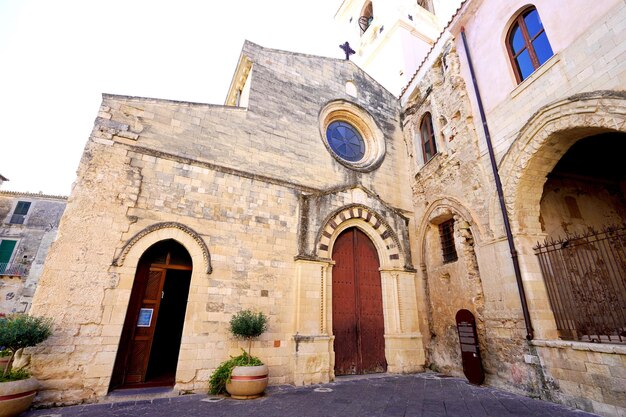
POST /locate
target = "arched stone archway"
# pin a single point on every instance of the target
(450, 283)
(540, 145)
(314, 293)
(391, 253)
(150, 342)
(147, 236)
(125, 265)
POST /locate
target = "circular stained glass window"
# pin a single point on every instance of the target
(345, 141)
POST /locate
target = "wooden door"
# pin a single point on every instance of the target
(358, 324)
(147, 312)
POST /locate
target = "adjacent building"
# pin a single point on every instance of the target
(474, 166)
(29, 224)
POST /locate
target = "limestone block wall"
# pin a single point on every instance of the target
(587, 376)
(454, 185)
(228, 184)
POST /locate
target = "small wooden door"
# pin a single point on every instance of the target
(358, 324)
(470, 350)
(145, 325)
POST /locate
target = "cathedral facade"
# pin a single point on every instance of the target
(361, 212)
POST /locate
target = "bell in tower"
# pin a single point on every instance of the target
(392, 37)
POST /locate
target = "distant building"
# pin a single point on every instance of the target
(28, 225)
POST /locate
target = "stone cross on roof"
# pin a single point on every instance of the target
(349, 51)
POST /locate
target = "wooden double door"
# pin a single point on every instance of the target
(358, 323)
(150, 341)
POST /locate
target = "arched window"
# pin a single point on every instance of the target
(428, 137)
(367, 15)
(426, 4)
(528, 44)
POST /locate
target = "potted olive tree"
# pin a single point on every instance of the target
(243, 376)
(17, 388)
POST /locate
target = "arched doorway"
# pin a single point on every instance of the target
(150, 341)
(358, 323)
(583, 214)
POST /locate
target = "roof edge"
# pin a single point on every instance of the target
(29, 194)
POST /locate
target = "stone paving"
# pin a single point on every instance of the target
(419, 395)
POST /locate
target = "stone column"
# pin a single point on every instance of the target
(312, 340)
(404, 348)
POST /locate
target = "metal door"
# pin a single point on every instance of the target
(358, 324)
(470, 351)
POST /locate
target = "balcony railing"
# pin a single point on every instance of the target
(585, 276)
(14, 270)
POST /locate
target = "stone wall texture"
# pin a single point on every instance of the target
(576, 94)
(248, 192)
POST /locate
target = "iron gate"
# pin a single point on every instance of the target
(585, 276)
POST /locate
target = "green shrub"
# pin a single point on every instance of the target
(221, 376)
(247, 325)
(18, 331)
(15, 375)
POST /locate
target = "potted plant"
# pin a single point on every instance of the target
(17, 388)
(243, 376)
(5, 355)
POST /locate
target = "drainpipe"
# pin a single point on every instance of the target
(505, 215)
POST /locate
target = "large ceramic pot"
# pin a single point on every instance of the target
(247, 381)
(17, 396)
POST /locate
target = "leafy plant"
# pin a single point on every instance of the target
(221, 376)
(19, 331)
(248, 325)
(15, 375)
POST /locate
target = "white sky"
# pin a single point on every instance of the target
(58, 56)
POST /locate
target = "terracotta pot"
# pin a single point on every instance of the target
(17, 396)
(247, 382)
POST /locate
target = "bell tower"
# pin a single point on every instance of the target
(392, 37)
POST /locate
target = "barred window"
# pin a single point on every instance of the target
(446, 235)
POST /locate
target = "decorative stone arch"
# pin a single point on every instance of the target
(390, 252)
(543, 141)
(446, 287)
(186, 236)
(447, 207)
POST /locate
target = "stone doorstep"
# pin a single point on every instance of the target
(124, 400)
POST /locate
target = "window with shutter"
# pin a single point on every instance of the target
(20, 212)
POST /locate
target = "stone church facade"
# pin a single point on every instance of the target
(359, 222)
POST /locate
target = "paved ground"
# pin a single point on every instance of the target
(420, 395)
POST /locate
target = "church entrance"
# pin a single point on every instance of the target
(150, 341)
(358, 324)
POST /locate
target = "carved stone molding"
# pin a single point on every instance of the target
(119, 260)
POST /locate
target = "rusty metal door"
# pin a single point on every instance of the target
(470, 351)
(358, 324)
